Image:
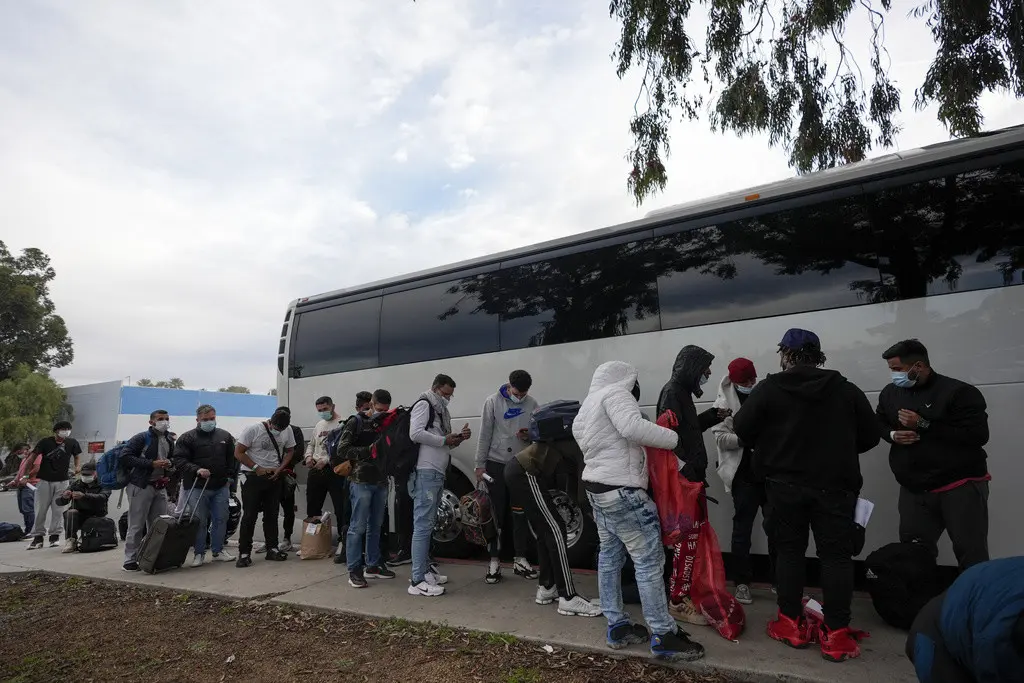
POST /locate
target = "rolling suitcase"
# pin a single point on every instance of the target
(168, 541)
(98, 533)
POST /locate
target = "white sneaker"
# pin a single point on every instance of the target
(286, 546)
(522, 567)
(578, 607)
(546, 596)
(224, 556)
(198, 560)
(70, 546)
(435, 579)
(259, 548)
(426, 589)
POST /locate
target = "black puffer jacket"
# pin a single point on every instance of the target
(677, 396)
(93, 501)
(215, 451)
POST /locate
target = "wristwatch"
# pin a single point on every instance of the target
(923, 423)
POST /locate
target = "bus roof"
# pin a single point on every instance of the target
(887, 164)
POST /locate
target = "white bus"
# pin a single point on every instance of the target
(927, 243)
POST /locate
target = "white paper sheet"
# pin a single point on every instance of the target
(864, 509)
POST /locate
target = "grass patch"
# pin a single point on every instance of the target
(523, 675)
(500, 639)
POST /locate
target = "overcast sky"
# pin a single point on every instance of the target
(191, 167)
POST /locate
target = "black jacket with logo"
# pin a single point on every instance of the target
(951, 448)
(215, 451)
(677, 396)
(808, 426)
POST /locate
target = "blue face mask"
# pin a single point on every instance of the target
(744, 390)
(208, 426)
(515, 399)
(902, 380)
(326, 415)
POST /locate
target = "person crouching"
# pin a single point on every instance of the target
(87, 499)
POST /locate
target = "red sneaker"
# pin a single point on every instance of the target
(790, 631)
(838, 645)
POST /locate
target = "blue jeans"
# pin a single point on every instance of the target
(425, 490)
(368, 503)
(27, 506)
(211, 503)
(627, 523)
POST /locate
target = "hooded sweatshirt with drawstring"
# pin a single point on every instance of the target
(677, 395)
(808, 427)
(501, 419)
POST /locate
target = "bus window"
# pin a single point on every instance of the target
(336, 339)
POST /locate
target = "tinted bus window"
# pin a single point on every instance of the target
(591, 295)
(438, 321)
(803, 259)
(336, 339)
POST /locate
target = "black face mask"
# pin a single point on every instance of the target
(636, 391)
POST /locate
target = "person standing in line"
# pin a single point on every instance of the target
(205, 456)
(289, 485)
(938, 428)
(504, 419)
(57, 452)
(147, 458)
(430, 425)
(265, 451)
(736, 470)
(25, 475)
(611, 432)
(808, 427)
(321, 480)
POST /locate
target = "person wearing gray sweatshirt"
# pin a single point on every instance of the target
(504, 419)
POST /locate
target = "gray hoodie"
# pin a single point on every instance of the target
(434, 454)
(500, 420)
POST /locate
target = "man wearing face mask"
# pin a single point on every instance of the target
(736, 470)
(289, 485)
(938, 428)
(57, 452)
(504, 419)
(86, 499)
(206, 458)
(147, 458)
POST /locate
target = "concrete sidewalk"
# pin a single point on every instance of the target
(507, 608)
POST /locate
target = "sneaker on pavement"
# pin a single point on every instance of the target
(380, 572)
(356, 579)
(286, 546)
(400, 558)
(243, 561)
(522, 567)
(686, 613)
(578, 606)
(275, 555)
(36, 544)
(339, 558)
(198, 560)
(676, 647)
(838, 645)
(259, 548)
(493, 577)
(435, 579)
(70, 546)
(626, 633)
(54, 540)
(792, 632)
(223, 556)
(130, 567)
(426, 589)
(546, 596)
(743, 595)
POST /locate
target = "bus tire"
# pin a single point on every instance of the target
(448, 540)
(581, 532)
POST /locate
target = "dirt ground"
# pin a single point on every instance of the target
(55, 629)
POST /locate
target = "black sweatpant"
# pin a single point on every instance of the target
(323, 483)
(961, 512)
(403, 515)
(530, 494)
(748, 497)
(796, 511)
(288, 506)
(498, 490)
(260, 495)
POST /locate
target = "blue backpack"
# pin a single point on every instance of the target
(553, 421)
(109, 471)
(334, 436)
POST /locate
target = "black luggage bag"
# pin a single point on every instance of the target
(168, 541)
(98, 533)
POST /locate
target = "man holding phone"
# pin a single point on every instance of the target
(504, 419)
(430, 425)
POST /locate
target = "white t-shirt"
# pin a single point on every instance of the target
(317, 446)
(261, 448)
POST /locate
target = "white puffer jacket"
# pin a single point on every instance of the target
(611, 430)
(730, 453)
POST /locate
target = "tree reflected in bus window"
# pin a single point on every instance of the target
(336, 339)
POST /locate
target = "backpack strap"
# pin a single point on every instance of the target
(277, 449)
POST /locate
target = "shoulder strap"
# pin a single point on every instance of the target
(277, 449)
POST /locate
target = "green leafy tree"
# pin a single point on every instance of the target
(233, 389)
(172, 383)
(30, 332)
(783, 68)
(30, 402)
(144, 383)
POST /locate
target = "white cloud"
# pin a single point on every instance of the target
(191, 168)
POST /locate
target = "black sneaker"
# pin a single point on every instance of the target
(275, 555)
(356, 580)
(625, 633)
(676, 647)
(54, 540)
(493, 577)
(380, 572)
(400, 558)
(36, 544)
(243, 561)
(340, 558)
(130, 567)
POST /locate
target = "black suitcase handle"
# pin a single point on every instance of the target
(188, 497)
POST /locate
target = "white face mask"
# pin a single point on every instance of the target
(744, 390)
(23, 455)
(445, 400)
(515, 399)
(161, 425)
(64, 433)
(704, 379)
(88, 479)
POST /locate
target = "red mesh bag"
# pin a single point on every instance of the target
(708, 590)
(677, 499)
(684, 553)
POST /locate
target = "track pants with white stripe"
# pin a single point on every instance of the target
(531, 493)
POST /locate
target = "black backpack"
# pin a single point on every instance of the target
(902, 578)
(394, 447)
(10, 532)
(553, 421)
(98, 533)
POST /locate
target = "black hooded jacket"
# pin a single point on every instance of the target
(677, 396)
(808, 426)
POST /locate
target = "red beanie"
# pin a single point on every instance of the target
(741, 371)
